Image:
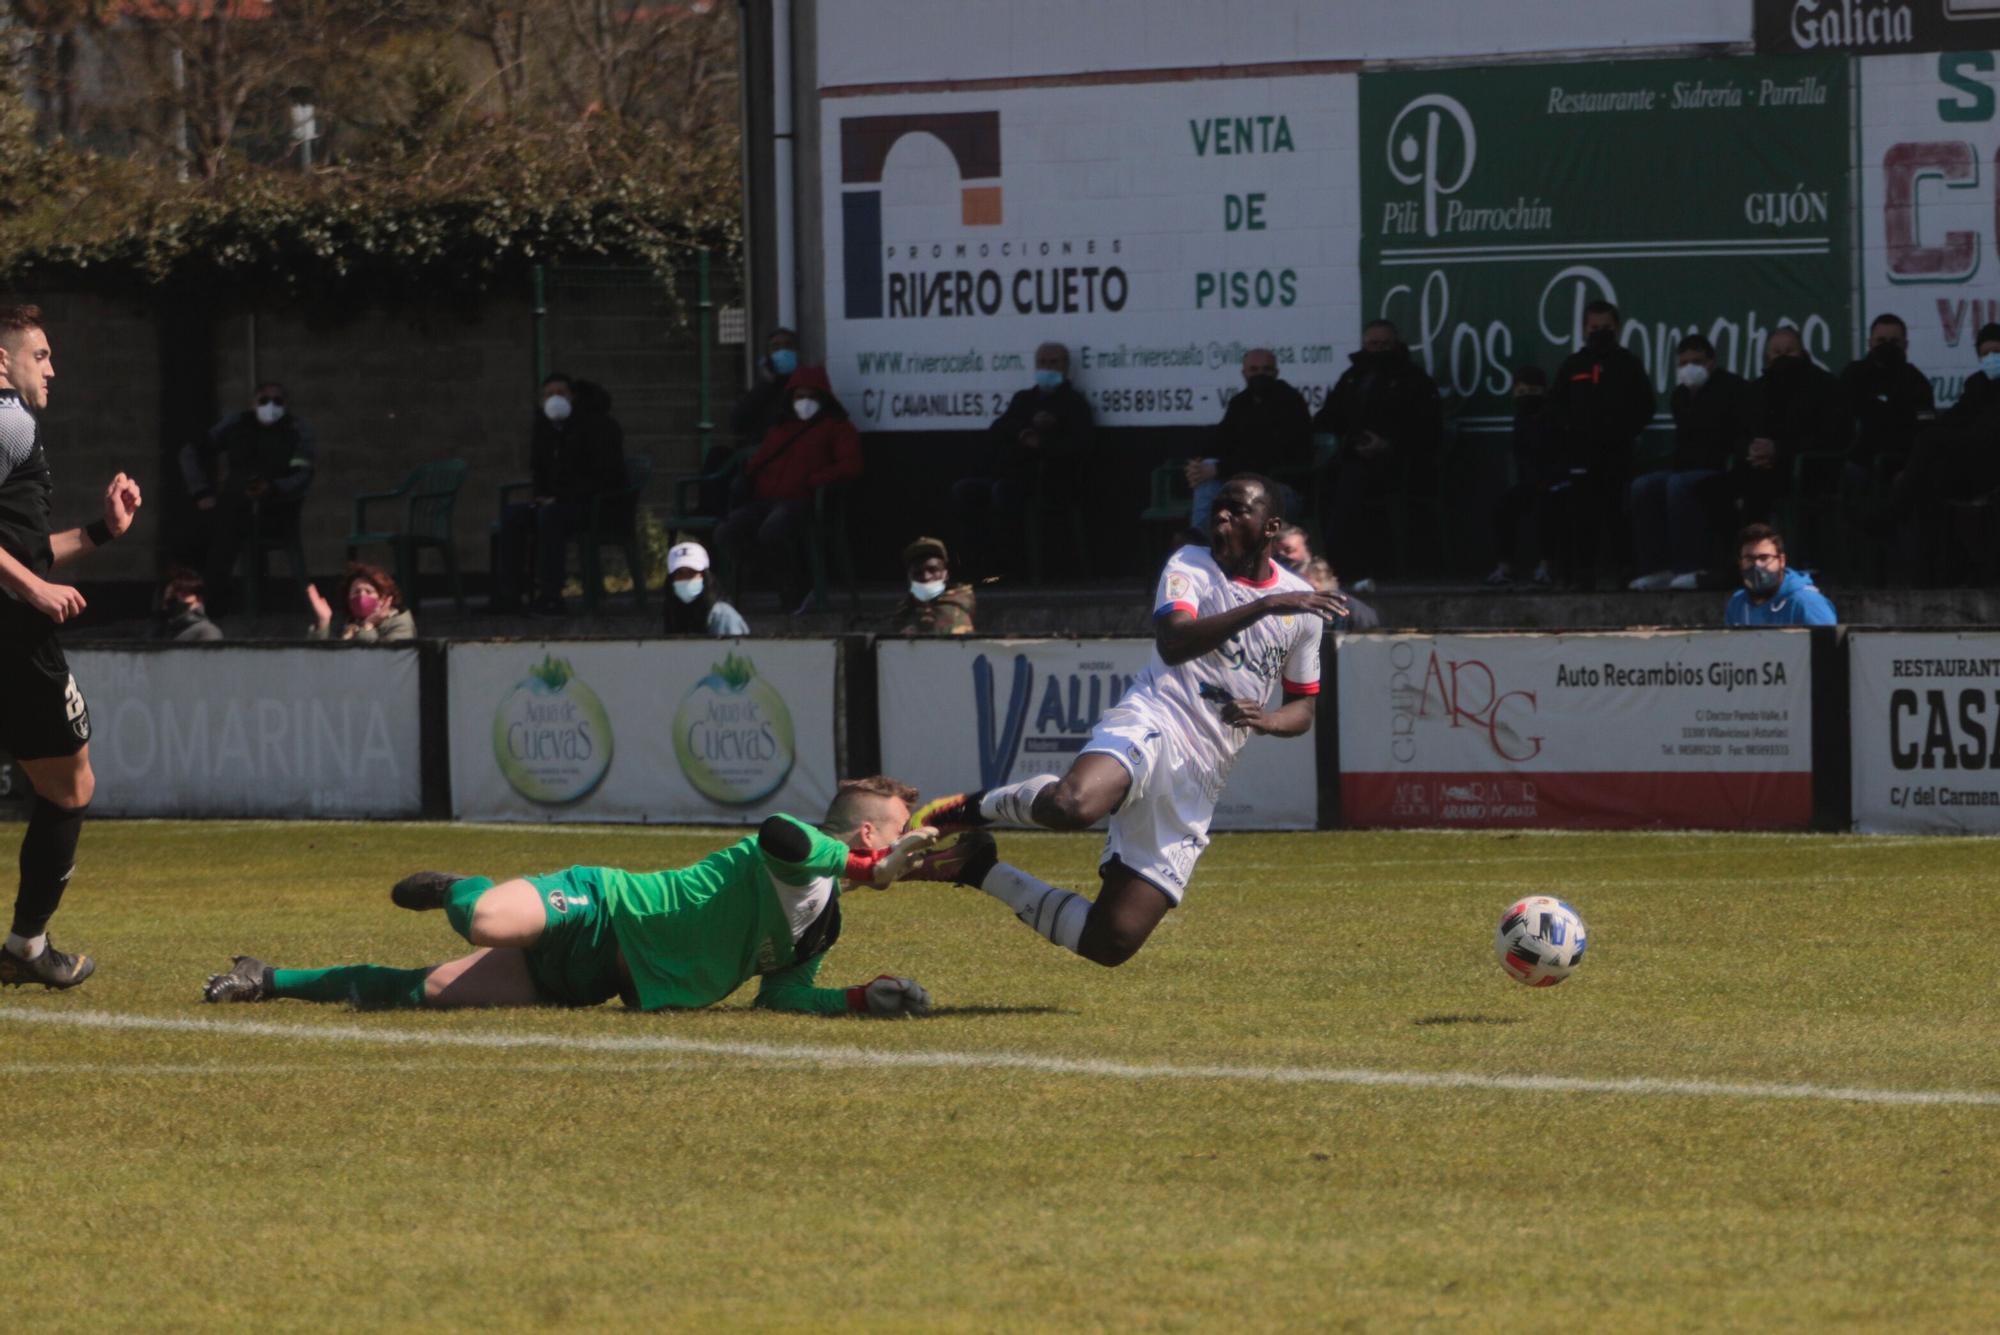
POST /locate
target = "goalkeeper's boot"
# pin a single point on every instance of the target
(247, 980)
(966, 860)
(52, 968)
(949, 815)
(424, 890)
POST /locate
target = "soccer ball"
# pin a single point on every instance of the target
(1540, 941)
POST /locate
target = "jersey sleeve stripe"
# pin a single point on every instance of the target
(1165, 608)
(1300, 687)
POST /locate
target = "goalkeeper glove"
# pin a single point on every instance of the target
(889, 997)
(884, 867)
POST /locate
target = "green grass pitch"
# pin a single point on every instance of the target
(219, 1180)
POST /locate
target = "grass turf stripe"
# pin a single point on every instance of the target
(1008, 1061)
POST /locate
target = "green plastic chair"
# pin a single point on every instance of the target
(614, 519)
(431, 492)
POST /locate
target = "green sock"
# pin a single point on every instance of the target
(460, 900)
(367, 986)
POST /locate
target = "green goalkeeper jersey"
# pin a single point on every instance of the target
(693, 936)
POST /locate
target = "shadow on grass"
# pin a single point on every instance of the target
(957, 1012)
(1467, 1019)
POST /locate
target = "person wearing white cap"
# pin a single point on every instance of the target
(694, 609)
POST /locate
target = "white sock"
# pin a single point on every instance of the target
(26, 947)
(1014, 803)
(1056, 914)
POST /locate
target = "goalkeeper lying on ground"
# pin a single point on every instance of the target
(766, 907)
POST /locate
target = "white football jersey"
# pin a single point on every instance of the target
(1188, 699)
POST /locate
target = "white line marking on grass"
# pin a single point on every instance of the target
(1010, 1061)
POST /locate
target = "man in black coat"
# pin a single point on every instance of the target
(576, 452)
(1043, 439)
(1800, 408)
(250, 476)
(1891, 401)
(1676, 510)
(1601, 400)
(1384, 411)
(1266, 428)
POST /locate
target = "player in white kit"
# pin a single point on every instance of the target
(1229, 624)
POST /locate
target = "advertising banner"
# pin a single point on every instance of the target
(1704, 196)
(1872, 27)
(935, 40)
(1157, 229)
(1708, 729)
(965, 713)
(288, 732)
(1930, 247)
(1925, 714)
(689, 731)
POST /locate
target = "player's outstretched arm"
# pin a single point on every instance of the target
(886, 997)
(1181, 636)
(1291, 719)
(121, 504)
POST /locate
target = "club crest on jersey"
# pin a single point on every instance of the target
(1178, 586)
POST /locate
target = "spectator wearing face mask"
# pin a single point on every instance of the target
(1955, 461)
(1772, 593)
(1046, 429)
(1535, 473)
(933, 605)
(694, 609)
(772, 510)
(249, 476)
(375, 611)
(576, 452)
(1891, 401)
(1293, 549)
(183, 619)
(1675, 508)
(1600, 401)
(1385, 413)
(1981, 391)
(1799, 408)
(764, 405)
(1266, 428)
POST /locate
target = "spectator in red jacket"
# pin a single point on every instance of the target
(772, 507)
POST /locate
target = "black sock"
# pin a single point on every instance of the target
(48, 856)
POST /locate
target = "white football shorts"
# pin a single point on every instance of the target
(1162, 826)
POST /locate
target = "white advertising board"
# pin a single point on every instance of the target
(1930, 243)
(707, 731)
(966, 713)
(1159, 230)
(898, 41)
(1702, 729)
(1925, 718)
(286, 731)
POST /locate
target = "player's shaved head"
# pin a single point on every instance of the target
(1267, 492)
(16, 321)
(870, 800)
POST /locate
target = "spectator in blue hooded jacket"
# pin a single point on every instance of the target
(1773, 595)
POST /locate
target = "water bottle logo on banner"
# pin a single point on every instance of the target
(552, 735)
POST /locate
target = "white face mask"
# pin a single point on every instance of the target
(926, 590)
(555, 407)
(687, 590)
(807, 409)
(1692, 376)
(270, 414)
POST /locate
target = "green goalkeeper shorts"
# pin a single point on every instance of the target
(576, 961)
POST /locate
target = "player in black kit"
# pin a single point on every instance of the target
(44, 724)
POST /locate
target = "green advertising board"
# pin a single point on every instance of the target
(1708, 196)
